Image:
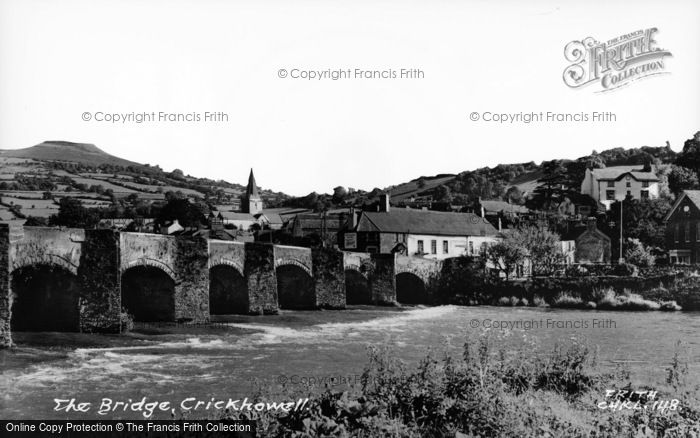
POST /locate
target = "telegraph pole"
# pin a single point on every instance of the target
(621, 260)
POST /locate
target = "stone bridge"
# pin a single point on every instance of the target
(60, 279)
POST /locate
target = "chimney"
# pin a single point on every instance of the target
(384, 203)
(592, 224)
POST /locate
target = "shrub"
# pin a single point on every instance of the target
(670, 306)
(638, 254)
(538, 301)
(626, 270)
(566, 301)
(504, 301)
(523, 302)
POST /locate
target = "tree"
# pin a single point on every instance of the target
(690, 156)
(339, 194)
(187, 214)
(681, 178)
(505, 256)
(542, 247)
(514, 195)
(71, 213)
(443, 194)
(638, 254)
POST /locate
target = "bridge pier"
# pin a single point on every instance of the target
(100, 280)
(382, 279)
(191, 266)
(329, 278)
(5, 294)
(261, 277)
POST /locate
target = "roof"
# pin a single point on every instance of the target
(503, 206)
(692, 195)
(273, 218)
(616, 173)
(235, 216)
(314, 221)
(406, 220)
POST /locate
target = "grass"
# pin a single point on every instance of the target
(487, 392)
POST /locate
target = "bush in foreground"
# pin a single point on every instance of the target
(488, 392)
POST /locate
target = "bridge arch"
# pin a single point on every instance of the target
(411, 289)
(44, 259)
(46, 297)
(238, 266)
(228, 290)
(295, 286)
(147, 262)
(293, 262)
(148, 292)
(357, 286)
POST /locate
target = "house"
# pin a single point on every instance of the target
(683, 228)
(592, 245)
(422, 233)
(612, 184)
(272, 221)
(171, 227)
(317, 227)
(241, 221)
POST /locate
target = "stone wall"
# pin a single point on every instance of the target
(100, 281)
(261, 277)
(329, 278)
(5, 295)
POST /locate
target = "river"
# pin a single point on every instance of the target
(228, 358)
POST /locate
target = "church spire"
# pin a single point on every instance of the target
(252, 189)
(252, 202)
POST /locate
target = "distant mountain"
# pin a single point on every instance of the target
(83, 153)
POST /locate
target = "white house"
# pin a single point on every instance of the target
(419, 233)
(612, 184)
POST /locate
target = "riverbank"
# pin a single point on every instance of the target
(489, 391)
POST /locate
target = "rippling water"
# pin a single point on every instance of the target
(222, 361)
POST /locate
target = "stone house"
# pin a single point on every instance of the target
(592, 245)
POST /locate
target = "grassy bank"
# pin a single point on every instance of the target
(492, 392)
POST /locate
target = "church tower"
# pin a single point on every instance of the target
(252, 202)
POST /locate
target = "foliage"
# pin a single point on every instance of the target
(682, 178)
(505, 256)
(487, 391)
(638, 254)
(543, 248)
(71, 213)
(188, 214)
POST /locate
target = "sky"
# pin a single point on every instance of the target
(62, 60)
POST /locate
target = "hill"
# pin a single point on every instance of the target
(33, 181)
(83, 153)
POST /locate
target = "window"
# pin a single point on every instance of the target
(433, 247)
(687, 232)
(420, 246)
(676, 232)
(471, 246)
(610, 194)
(644, 194)
(629, 184)
(445, 247)
(645, 184)
(611, 183)
(629, 193)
